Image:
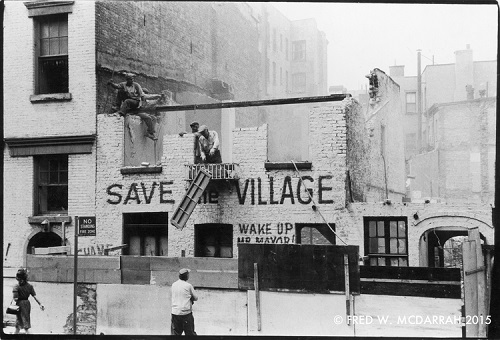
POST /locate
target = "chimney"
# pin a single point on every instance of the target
(464, 73)
(397, 71)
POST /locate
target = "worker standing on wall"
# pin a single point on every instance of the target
(183, 298)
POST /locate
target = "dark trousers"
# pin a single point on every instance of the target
(127, 105)
(215, 158)
(182, 323)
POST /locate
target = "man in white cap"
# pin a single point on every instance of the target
(183, 297)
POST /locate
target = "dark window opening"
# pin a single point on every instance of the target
(213, 240)
(52, 184)
(386, 241)
(52, 54)
(315, 233)
(146, 234)
(44, 240)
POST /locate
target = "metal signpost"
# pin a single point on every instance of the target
(84, 226)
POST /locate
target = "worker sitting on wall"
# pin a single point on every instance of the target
(209, 145)
(129, 99)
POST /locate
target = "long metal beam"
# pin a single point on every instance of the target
(267, 102)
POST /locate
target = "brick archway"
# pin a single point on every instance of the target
(438, 229)
(39, 238)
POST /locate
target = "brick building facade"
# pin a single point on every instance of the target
(62, 135)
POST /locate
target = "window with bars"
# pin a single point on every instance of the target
(299, 50)
(52, 184)
(213, 240)
(386, 241)
(52, 54)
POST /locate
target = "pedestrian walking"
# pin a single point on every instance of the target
(183, 298)
(21, 293)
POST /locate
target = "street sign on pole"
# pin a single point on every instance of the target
(75, 274)
(86, 226)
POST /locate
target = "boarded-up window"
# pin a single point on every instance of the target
(288, 137)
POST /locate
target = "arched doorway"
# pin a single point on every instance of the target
(43, 240)
(444, 245)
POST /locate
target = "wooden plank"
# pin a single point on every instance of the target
(481, 281)
(411, 273)
(470, 286)
(257, 295)
(411, 289)
(135, 262)
(138, 277)
(311, 268)
(267, 102)
(347, 290)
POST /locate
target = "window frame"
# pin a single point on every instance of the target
(299, 50)
(40, 161)
(300, 226)
(143, 230)
(216, 229)
(410, 103)
(39, 57)
(388, 255)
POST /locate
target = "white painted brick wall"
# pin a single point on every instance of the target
(25, 119)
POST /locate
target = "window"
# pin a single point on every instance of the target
(146, 234)
(299, 82)
(274, 73)
(411, 102)
(286, 48)
(52, 184)
(268, 73)
(386, 241)
(213, 240)
(286, 81)
(314, 233)
(52, 54)
(281, 42)
(299, 50)
(274, 39)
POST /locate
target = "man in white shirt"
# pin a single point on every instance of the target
(183, 297)
(209, 145)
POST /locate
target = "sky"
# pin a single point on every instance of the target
(377, 35)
